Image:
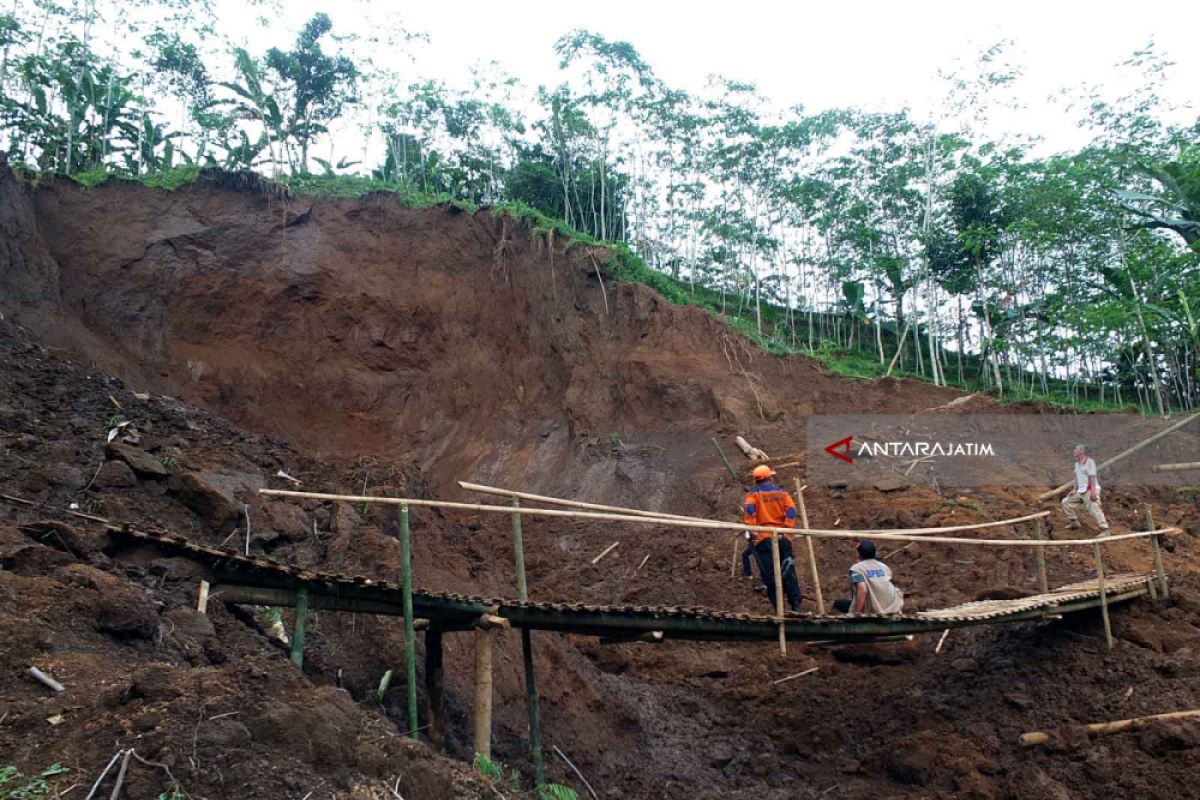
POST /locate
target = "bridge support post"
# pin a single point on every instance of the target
(1156, 545)
(1103, 597)
(434, 685)
(812, 555)
(301, 625)
(778, 593)
(483, 692)
(410, 644)
(1039, 553)
(535, 719)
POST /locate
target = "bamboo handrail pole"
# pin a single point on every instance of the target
(1040, 555)
(1157, 551)
(812, 554)
(410, 645)
(1126, 452)
(1176, 467)
(895, 535)
(1108, 637)
(778, 593)
(1117, 726)
(558, 501)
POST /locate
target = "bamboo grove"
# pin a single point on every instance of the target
(881, 241)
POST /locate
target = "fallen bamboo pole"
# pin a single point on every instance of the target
(1177, 467)
(941, 642)
(1116, 726)
(579, 774)
(895, 535)
(1126, 452)
(750, 451)
(812, 554)
(606, 551)
(793, 677)
(558, 501)
(45, 680)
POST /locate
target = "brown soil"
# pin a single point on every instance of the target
(356, 343)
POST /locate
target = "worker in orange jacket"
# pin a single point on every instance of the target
(768, 505)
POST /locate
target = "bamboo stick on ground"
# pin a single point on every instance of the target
(1126, 452)
(750, 451)
(607, 550)
(46, 680)
(941, 642)
(1117, 726)
(793, 677)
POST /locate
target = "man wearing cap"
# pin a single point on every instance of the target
(768, 505)
(871, 585)
(1086, 493)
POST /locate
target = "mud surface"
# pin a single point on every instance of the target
(357, 344)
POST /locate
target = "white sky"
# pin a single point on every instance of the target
(870, 54)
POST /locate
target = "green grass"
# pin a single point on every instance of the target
(16, 786)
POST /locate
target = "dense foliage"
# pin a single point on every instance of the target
(894, 242)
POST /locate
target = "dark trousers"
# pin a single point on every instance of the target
(747, 554)
(787, 561)
(843, 605)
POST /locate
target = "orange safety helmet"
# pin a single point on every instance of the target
(762, 472)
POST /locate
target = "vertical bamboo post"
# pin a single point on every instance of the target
(301, 624)
(1103, 597)
(434, 684)
(410, 644)
(535, 719)
(778, 594)
(812, 555)
(1157, 550)
(1039, 553)
(738, 540)
(483, 692)
(519, 551)
(202, 600)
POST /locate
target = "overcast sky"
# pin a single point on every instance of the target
(868, 54)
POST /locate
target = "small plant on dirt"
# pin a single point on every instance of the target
(555, 791)
(15, 786)
(489, 769)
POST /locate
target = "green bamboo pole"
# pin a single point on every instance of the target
(1103, 597)
(535, 717)
(721, 453)
(301, 624)
(410, 634)
(1040, 555)
(1157, 549)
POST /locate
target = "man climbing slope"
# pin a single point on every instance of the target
(1086, 493)
(768, 505)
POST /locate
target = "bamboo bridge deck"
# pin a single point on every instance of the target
(238, 578)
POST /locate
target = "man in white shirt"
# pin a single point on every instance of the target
(871, 586)
(1085, 494)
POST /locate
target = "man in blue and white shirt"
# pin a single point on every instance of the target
(871, 585)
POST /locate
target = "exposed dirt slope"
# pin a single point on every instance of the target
(322, 332)
(360, 327)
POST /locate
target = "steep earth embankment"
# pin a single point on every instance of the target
(357, 343)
